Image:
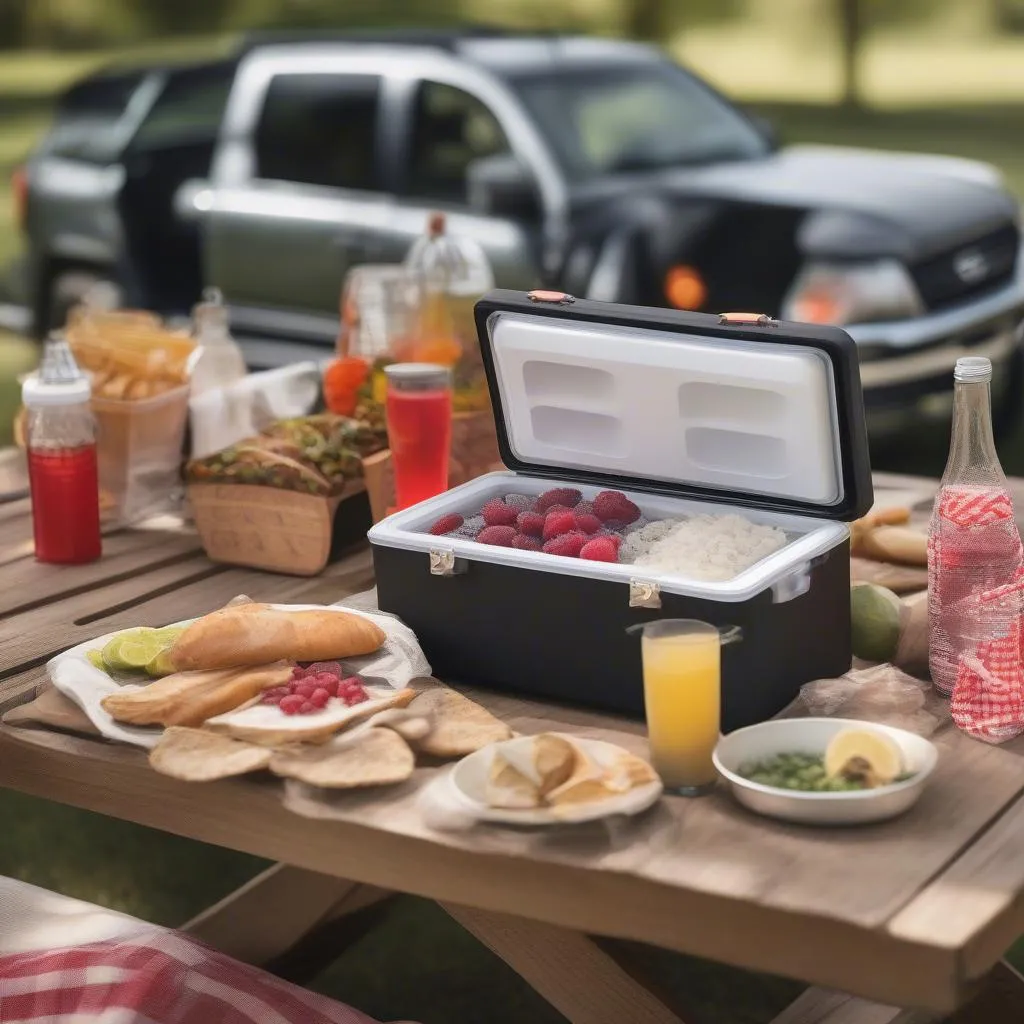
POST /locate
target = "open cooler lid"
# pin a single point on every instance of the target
(737, 409)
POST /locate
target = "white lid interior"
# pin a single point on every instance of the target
(673, 408)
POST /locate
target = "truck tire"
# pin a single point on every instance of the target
(69, 289)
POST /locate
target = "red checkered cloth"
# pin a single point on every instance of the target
(969, 507)
(132, 973)
(988, 699)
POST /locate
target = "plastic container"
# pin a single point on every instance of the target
(220, 363)
(686, 414)
(60, 435)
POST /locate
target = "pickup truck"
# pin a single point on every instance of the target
(596, 167)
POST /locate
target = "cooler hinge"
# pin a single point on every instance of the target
(644, 594)
(444, 563)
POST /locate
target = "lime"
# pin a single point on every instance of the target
(96, 660)
(139, 651)
(169, 634)
(161, 665)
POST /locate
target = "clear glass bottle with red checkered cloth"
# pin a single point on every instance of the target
(974, 552)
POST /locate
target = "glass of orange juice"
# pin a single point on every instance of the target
(682, 661)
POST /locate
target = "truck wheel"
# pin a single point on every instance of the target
(69, 290)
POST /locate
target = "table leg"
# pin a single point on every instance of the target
(567, 968)
(270, 914)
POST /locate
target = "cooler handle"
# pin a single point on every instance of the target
(793, 585)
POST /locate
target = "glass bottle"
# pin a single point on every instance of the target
(61, 443)
(973, 543)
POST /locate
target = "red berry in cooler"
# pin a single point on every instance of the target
(567, 544)
(524, 543)
(600, 549)
(530, 523)
(567, 496)
(615, 507)
(446, 524)
(499, 536)
(497, 513)
(584, 508)
(291, 704)
(558, 523)
(587, 522)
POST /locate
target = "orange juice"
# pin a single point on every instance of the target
(682, 696)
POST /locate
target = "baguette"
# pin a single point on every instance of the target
(256, 634)
(898, 544)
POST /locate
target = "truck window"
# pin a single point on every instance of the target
(190, 105)
(320, 129)
(450, 130)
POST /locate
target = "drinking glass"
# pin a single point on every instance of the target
(419, 422)
(682, 699)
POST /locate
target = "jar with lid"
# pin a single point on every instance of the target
(60, 435)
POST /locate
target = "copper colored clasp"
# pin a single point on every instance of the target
(539, 295)
(749, 319)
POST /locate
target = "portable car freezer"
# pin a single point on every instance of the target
(686, 413)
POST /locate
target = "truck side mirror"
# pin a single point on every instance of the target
(502, 186)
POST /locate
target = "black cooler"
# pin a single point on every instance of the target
(686, 413)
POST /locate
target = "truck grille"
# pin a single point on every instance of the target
(969, 269)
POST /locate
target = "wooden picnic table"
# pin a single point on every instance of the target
(913, 913)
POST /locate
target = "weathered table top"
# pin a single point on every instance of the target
(911, 913)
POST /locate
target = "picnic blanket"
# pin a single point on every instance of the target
(63, 961)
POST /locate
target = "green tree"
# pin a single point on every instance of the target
(657, 21)
(14, 23)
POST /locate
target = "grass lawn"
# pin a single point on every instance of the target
(962, 100)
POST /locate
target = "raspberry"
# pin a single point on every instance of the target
(446, 524)
(499, 536)
(568, 544)
(356, 699)
(586, 521)
(567, 496)
(497, 513)
(298, 673)
(554, 510)
(270, 698)
(600, 549)
(530, 523)
(471, 527)
(291, 704)
(305, 688)
(584, 508)
(558, 523)
(520, 502)
(615, 507)
(319, 697)
(325, 668)
(307, 708)
(524, 543)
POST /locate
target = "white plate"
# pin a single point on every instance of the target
(468, 784)
(78, 679)
(812, 736)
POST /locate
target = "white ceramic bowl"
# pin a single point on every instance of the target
(812, 736)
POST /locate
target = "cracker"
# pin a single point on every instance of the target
(460, 725)
(380, 757)
(195, 755)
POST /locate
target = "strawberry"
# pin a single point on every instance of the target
(586, 521)
(446, 524)
(497, 513)
(525, 543)
(567, 496)
(568, 544)
(615, 507)
(557, 523)
(530, 523)
(600, 549)
(499, 536)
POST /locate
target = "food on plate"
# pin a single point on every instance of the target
(552, 770)
(523, 774)
(377, 757)
(612, 528)
(313, 454)
(190, 698)
(899, 544)
(865, 755)
(460, 726)
(141, 651)
(257, 634)
(198, 755)
(313, 688)
(270, 725)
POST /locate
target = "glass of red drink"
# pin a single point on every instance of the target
(419, 418)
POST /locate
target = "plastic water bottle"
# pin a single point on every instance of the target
(221, 362)
(973, 544)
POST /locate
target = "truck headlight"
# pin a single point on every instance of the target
(849, 293)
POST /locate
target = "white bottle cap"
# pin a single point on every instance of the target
(37, 394)
(973, 370)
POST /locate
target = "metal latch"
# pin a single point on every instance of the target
(540, 295)
(747, 319)
(644, 594)
(443, 563)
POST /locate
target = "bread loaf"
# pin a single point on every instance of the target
(256, 634)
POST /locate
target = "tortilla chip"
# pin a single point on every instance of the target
(379, 758)
(461, 726)
(195, 755)
(510, 788)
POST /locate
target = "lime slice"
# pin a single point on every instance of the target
(139, 651)
(96, 660)
(161, 665)
(168, 635)
(111, 654)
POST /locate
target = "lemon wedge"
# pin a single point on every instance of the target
(865, 754)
